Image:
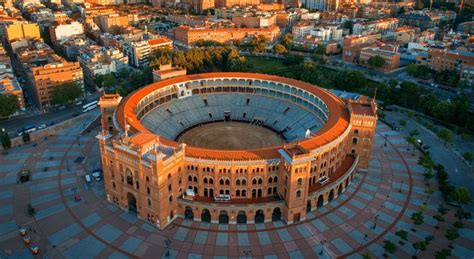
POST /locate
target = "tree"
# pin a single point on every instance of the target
(376, 61)
(452, 234)
(417, 218)
(307, 72)
(419, 246)
(468, 156)
(280, 49)
(429, 192)
(411, 141)
(443, 253)
(8, 105)
(6, 142)
(105, 81)
(287, 40)
(439, 218)
(403, 235)
(462, 196)
(403, 123)
(445, 135)
(26, 137)
(66, 93)
(389, 247)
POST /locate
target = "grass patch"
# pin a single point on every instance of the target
(266, 65)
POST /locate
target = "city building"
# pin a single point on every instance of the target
(23, 31)
(112, 23)
(188, 36)
(138, 52)
(391, 58)
(420, 19)
(254, 21)
(44, 70)
(61, 32)
(10, 86)
(167, 71)
(98, 60)
(352, 45)
(442, 59)
(147, 172)
(381, 26)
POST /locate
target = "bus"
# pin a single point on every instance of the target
(27, 129)
(90, 106)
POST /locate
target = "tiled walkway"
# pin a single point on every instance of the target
(377, 204)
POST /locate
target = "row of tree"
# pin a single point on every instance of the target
(445, 77)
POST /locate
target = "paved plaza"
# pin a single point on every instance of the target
(377, 204)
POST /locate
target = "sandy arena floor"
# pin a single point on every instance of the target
(231, 135)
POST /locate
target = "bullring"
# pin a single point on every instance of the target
(149, 170)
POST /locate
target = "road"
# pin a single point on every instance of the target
(460, 174)
(37, 118)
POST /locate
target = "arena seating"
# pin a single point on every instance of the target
(289, 119)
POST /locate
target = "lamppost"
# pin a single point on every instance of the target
(322, 242)
(375, 221)
(385, 143)
(247, 253)
(167, 243)
(401, 183)
(67, 165)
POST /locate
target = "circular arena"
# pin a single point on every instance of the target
(232, 148)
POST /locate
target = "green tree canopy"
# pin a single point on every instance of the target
(376, 61)
(445, 135)
(389, 246)
(280, 49)
(8, 105)
(287, 40)
(66, 93)
(5, 138)
(462, 196)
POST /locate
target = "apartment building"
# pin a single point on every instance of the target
(188, 36)
(391, 58)
(352, 45)
(138, 52)
(100, 61)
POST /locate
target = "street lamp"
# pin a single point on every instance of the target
(401, 183)
(375, 221)
(167, 243)
(322, 242)
(67, 165)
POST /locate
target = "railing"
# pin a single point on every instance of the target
(347, 166)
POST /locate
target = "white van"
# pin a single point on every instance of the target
(88, 178)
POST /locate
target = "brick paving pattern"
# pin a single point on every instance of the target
(377, 204)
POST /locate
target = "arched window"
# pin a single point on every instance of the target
(170, 198)
(244, 193)
(260, 181)
(205, 180)
(195, 179)
(298, 194)
(244, 182)
(190, 178)
(356, 132)
(275, 179)
(221, 181)
(300, 181)
(211, 181)
(254, 181)
(354, 141)
(270, 180)
(237, 182)
(237, 193)
(227, 182)
(269, 192)
(169, 176)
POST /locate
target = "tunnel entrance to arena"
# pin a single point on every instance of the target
(241, 217)
(227, 116)
(308, 206)
(188, 213)
(259, 216)
(276, 215)
(132, 203)
(206, 216)
(331, 195)
(339, 191)
(320, 201)
(223, 217)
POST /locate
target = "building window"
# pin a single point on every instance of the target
(298, 194)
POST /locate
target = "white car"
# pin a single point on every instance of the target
(96, 176)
